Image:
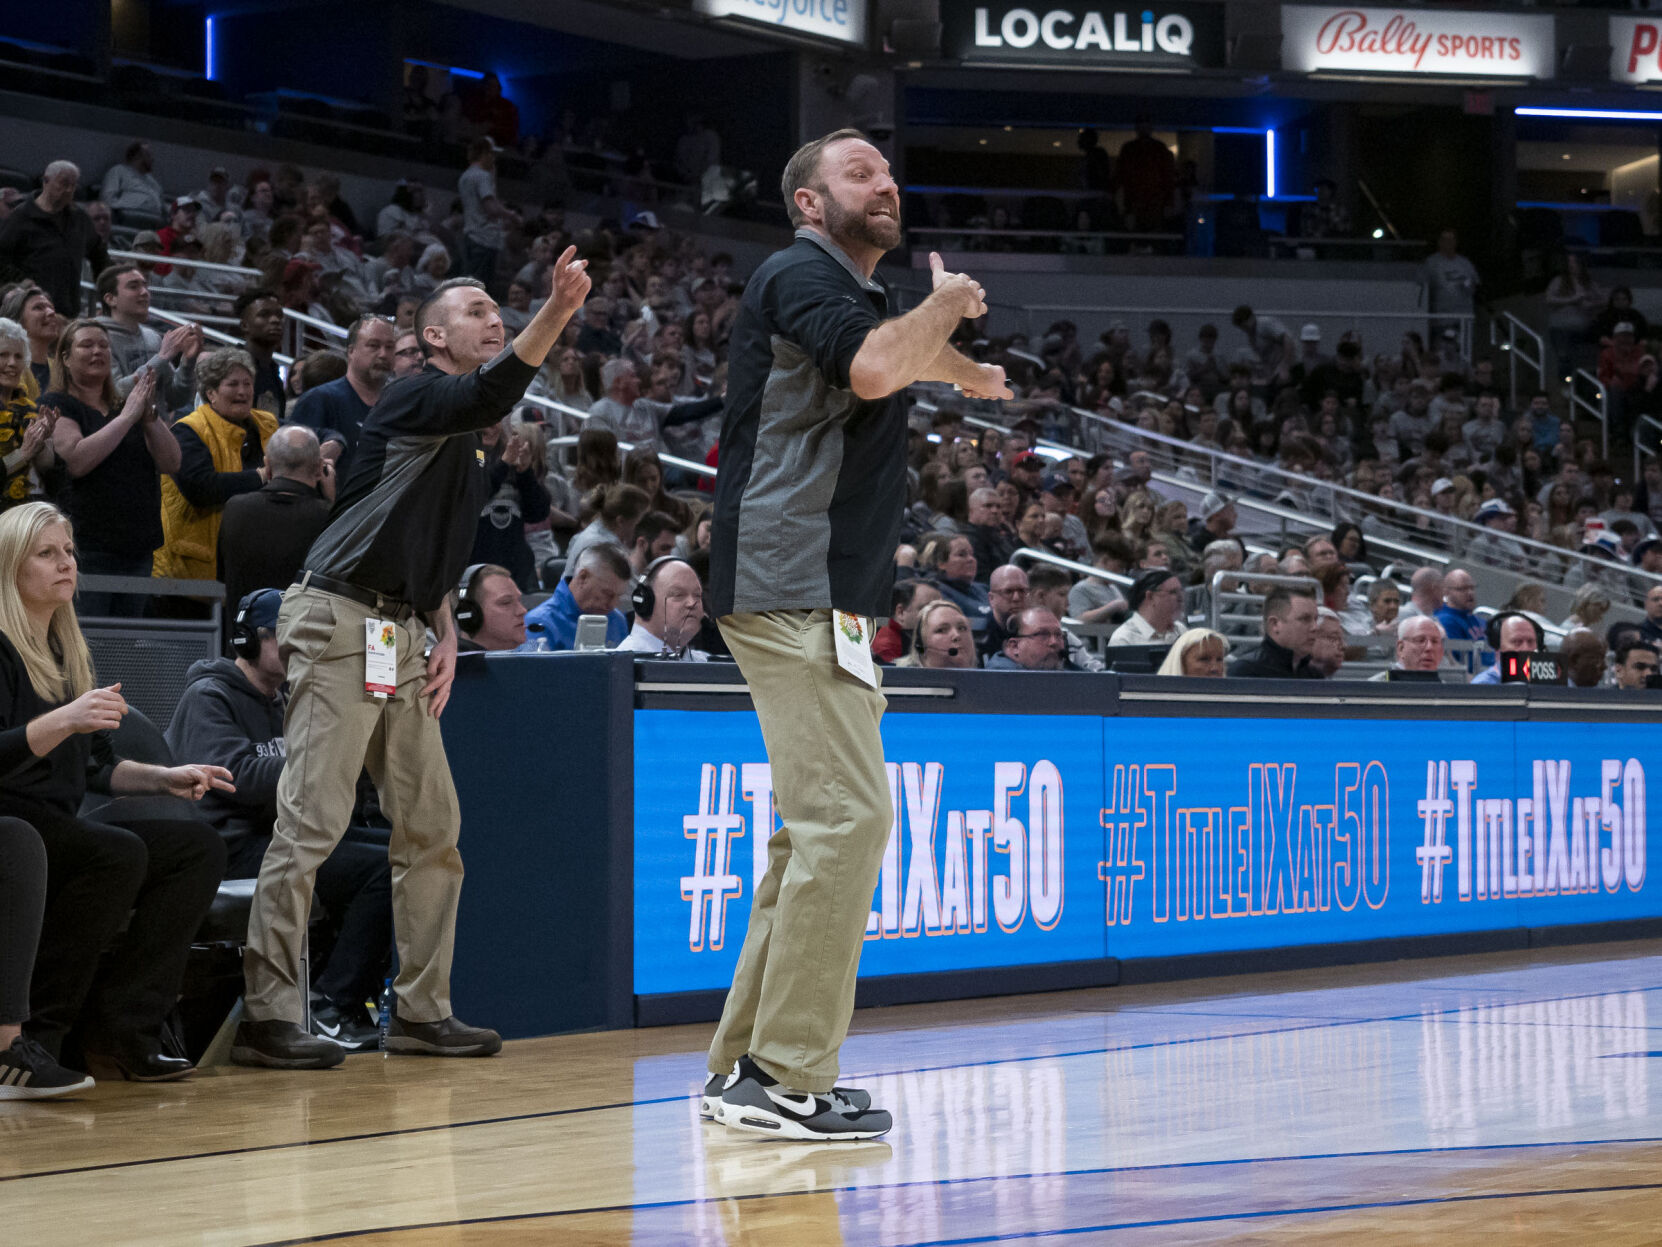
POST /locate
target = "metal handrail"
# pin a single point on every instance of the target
(1465, 320)
(1367, 504)
(1077, 568)
(1599, 410)
(213, 335)
(675, 461)
(1516, 329)
(1244, 594)
(146, 257)
(1638, 427)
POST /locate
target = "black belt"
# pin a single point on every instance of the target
(383, 606)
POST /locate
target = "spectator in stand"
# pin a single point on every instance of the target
(406, 355)
(489, 611)
(25, 435)
(405, 213)
(1449, 282)
(1588, 608)
(1354, 618)
(1147, 181)
(1485, 431)
(1289, 634)
(123, 294)
(1582, 653)
(1636, 665)
(1327, 644)
(1156, 606)
(114, 458)
(696, 150)
(597, 335)
(655, 538)
(1269, 348)
(1618, 311)
(517, 499)
(221, 455)
(894, 639)
(1351, 544)
(1216, 521)
(1419, 646)
(131, 191)
(594, 582)
(669, 611)
(1410, 426)
(616, 509)
(259, 313)
(622, 385)
(1325, 218)
(1385, 605)
(952, 560)
(264, 535)
(144, 888)
(941, 639)
(991, 540)
(182, 216)
(231, 716)
(1320, 553)
(1457, 615)
(1650, 628)
(47, 239)
(1036, 643)
(337, 409)
(1494, 545)
(31, 307)
(1425, 593)
(1050, 587)
(1007, 594)
(1199, 652)
(483, 214)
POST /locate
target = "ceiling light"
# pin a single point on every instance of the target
(1379, 233)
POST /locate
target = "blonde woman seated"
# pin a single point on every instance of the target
(1198, 652)
(941, 639)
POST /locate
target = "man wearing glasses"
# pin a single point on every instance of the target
(1037, 644)
(1156, 601)
(1007, 594)
(337, 409)
(406, 355)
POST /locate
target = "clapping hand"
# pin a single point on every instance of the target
(517, 453)
(96, 710)
(39, 433)
(141, 399)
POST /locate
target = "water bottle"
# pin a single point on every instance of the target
(385, 1012)
(537, 639)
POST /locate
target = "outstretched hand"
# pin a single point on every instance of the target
(990, 385)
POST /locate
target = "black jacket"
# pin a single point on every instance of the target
(1272, 662)
(264, 537)
(223, 720)
(58, 781)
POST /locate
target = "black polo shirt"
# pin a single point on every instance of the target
(50, 247)
(812, 481)
(404, 521)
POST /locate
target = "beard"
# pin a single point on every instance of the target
(880, 232)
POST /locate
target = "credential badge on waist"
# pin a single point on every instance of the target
(380, 657)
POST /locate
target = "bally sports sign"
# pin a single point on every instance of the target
(1636, 48)
(1417, 41)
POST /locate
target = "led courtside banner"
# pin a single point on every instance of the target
(1025, 840)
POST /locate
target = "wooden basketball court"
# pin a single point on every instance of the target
(1511, 1098)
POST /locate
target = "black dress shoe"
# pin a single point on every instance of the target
(137, 1060)
(283, 1045)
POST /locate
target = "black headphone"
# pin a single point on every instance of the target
(1491, 630)
(644, 599)
(469, 614)
(245, 638)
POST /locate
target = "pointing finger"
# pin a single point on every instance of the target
(936, 265)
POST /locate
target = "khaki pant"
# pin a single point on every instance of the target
(334, 730)
(793, 990)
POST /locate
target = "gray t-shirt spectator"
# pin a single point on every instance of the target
(609, 414)
(125, 189)
(1450, 282)
(1091, 594)
(475, 186)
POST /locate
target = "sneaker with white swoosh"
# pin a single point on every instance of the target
(853, 1099)
(755, 1102)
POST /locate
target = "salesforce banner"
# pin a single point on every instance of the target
(1022, 840)
(1082, 35)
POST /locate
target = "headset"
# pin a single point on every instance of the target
(469, 614)
(1492, 629)
(245, 638)
(644, 599)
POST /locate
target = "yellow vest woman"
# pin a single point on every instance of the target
(194, 498)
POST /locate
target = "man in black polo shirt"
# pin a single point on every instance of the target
(808, 510)
(382, 570)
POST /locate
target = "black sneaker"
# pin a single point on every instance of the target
(853, 1099)
(28, 1072)
(277, 1044)
(451, 1037)
(351, 1028)
(758, 1104)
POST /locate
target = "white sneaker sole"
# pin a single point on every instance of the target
(44, 1093)
(709, 1107)
(753, 1120)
